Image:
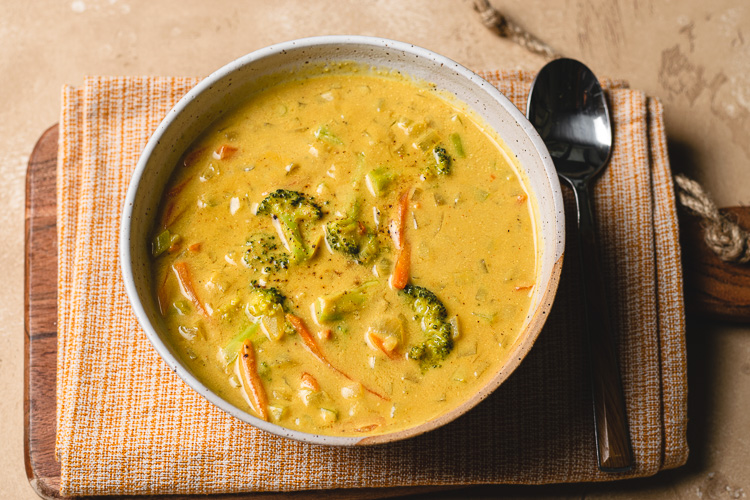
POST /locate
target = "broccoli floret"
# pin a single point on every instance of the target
(433, 317)
(352, 237)
(335, 306)
(288, 209)
(264, 255)
(443, 160)
(266, 307)
(265, 301)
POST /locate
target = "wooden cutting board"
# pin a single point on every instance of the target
(713, 289)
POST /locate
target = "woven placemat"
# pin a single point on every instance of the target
(128, 425)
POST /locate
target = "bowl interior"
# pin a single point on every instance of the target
(215, 96)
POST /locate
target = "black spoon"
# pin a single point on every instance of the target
(569, 110)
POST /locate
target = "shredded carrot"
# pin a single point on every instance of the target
(524, 287)
(224, 151)
(325, 334)
(307, 338)
(378, 342)
(170, 215)
(178, 188)
(401, 270)
(195, 247)
(161, 295)
(403, 209)
(192, 157)
(182, 271)
(367, 428)
(309, 382)
(166, 219)
(311, 346)
(174, 247)
(521, 198)
(251, 380)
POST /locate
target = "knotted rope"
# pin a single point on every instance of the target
(506, 28)
(723, 236)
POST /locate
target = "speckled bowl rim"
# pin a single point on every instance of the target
(527, 337)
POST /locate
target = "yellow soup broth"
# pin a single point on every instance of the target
(345, 254)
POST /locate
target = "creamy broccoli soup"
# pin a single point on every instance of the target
(348, 254)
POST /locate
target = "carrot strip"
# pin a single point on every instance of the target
(367, 428)
(379, 344)
(178, 188)
(182, 271)
(401, 270)
(170, 215)
(192, 157)
(251, 381)
(307, 338)
(224, 151)
(311, 346)
(309, 382)
(161, 295)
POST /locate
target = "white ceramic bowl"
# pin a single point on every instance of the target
(215, 95)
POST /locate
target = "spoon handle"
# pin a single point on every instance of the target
(610, 418)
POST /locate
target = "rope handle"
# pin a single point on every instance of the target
(724, 237)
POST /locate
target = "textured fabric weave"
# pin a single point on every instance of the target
(127, 425)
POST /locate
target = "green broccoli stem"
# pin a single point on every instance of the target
(229, 351)
(293, 236)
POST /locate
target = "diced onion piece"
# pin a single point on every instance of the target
(272, 326)
(276, 412)
(455, 332)
(351, 391)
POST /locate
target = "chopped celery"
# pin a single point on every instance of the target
(489, 318)
(182, 306)
(323, 133)
(378, 181)
(229, 351)
(335, 306)
(328, 416)
(481, 194)
(427, 140)
(458, 146)
(161, 243)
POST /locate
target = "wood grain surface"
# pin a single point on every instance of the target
(713, 289)
(40, 341)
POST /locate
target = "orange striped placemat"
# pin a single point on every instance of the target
(127, 425)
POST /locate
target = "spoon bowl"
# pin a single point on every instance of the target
(569, 109)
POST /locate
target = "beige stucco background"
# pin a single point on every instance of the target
(694, 54)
